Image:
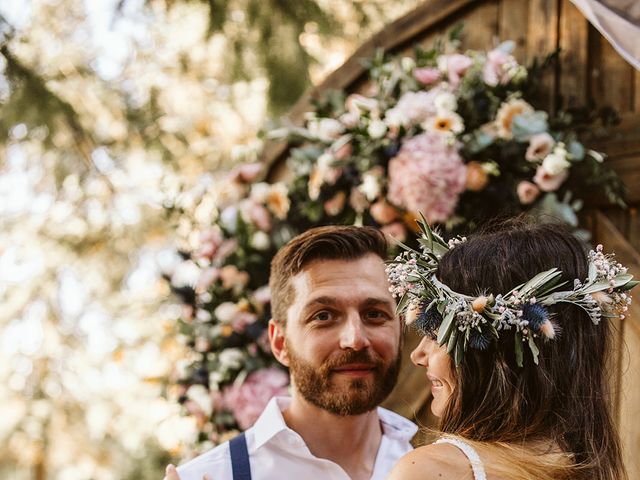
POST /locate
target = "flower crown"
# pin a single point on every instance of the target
(463, 321)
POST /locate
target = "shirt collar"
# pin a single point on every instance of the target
(271, 422)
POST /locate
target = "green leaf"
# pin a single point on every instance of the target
(445, 328)
(629, 285)
(534, 349)
(459, 350)
(451, 344)
(404, 301)
(541, 279)
(518, 348)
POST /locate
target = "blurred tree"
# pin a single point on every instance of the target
(110, 111)
(276, 38)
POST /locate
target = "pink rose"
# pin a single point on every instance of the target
(259, 216)
(249, 172)
(456, 66)
(210, 242)
(540, 145)
(426, 76)
(247, 401)
(383, 213)
(527, 192)
(498, 66)
(548, 182)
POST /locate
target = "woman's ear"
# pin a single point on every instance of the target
(277, 341)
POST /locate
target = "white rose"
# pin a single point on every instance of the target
(555, 164)
(408, 64)
(229, 219)
(260, 192)
(395, 118)
(377, 129)
(226, 312)
(200, 395)
(326, 128)
(231, 358)
(260, 241)
(445, 102)
(370, 186)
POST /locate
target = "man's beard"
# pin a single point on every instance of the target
(350, 397)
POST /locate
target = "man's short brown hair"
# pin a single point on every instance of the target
(321, 243)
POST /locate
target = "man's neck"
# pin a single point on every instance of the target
(350, 441)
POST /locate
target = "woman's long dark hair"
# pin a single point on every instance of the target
(565, 399)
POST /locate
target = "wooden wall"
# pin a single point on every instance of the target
(589, 71)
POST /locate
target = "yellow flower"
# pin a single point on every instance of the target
(444, 122)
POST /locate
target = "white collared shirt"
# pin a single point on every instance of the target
(276, 451)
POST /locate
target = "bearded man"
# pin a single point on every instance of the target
(334, 326)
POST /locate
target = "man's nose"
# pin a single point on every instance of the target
(354, 335)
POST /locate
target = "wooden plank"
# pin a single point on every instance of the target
(628, 392)
(513, 20)
(612, 78)
(636, 92)
(574, 42)
(628, 168)
(481, 26)
(621, 140)
(630, 396)
(542, 39)
(634, 228)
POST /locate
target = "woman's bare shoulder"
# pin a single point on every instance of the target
(433, 462)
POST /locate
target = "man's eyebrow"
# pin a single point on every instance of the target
(324, 300)
(372, 301)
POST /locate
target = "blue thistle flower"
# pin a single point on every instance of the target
(535, 314)
(428, 321)
(479, 340)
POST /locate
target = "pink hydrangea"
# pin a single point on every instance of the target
(246, 401)
(426, 76)
(427, 175)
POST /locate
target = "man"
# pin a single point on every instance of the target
(334, 326)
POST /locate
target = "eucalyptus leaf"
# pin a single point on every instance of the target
(445, 328)
(451, 344)
(518, 348)
(534, 349)
(459, 350)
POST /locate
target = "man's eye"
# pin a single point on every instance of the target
(323, 316)
(376, 315)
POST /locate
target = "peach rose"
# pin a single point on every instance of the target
(527, 192)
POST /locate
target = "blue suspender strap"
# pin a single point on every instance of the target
(240, 458)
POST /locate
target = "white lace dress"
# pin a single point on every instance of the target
(471, 454)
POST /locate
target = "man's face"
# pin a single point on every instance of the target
(342, 338)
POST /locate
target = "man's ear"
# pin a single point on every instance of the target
(277, 341)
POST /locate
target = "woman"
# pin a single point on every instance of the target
(515, 347)
(529, 397)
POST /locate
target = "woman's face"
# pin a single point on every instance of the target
(436, 360)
